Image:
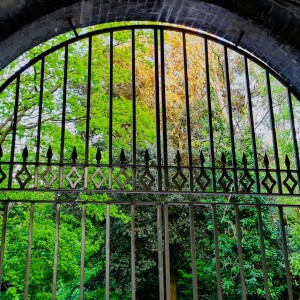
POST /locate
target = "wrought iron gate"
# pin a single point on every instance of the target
(202, 170)
(52, 140)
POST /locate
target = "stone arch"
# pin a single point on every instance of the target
(270, 27)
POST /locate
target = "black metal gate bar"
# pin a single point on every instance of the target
(272, 121)
(88, 111)
(132, 251)
(133, 107)
(187, 112)
(38, 143)
(160, 252)
(111, 95)
(56, 249)
(157, 111)
(167, 252)
(14, 131)
(285, 254)
(107, 253)
(83, 229)
(263, 252)
(251, 121)
(63, 119)
(164, 110)
(193, 251)
(3, 239)
(211, 132)
(217, 252)
(29, 246)
(240, 250)
(230, 118)
(294, 135)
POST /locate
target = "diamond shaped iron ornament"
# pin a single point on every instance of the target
(73, 171)
(99, 173)
(46, 182)
(72, 183)
(122, 171)
(48, 170)
(179, 175)
(3, 175)
(246, 180)
(179, 179)
(23, 171)
(147, 179)
(289, 177)
(290, 183)
(117, 178)
(225, 180)
(268, 181)
(202, 179)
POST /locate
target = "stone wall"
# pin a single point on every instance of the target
(271, 27)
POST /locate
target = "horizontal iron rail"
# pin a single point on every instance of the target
(130, 166)
(105, 191)
(151, 203)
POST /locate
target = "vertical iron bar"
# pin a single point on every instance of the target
(14, 132)
(232, 143)
(160, 253)
(63, 120)
(38, 143)
(3, 238)
(83, 225)
(164, 109)
(294, 135)
(111, 74)
(240, 250)
(133, 107)
(217, 252)
(107, 252)
(187, 108)
(88, 113)
(28, 259)
(251, 121)
(55, 263)
(193, 252)
(276, 155)
(211, 134)
(111, 86)
(167, 252)
(286, 255)
(133, 283)
(263, 251)
(157, 110)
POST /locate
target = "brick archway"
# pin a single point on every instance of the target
(271, 27)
